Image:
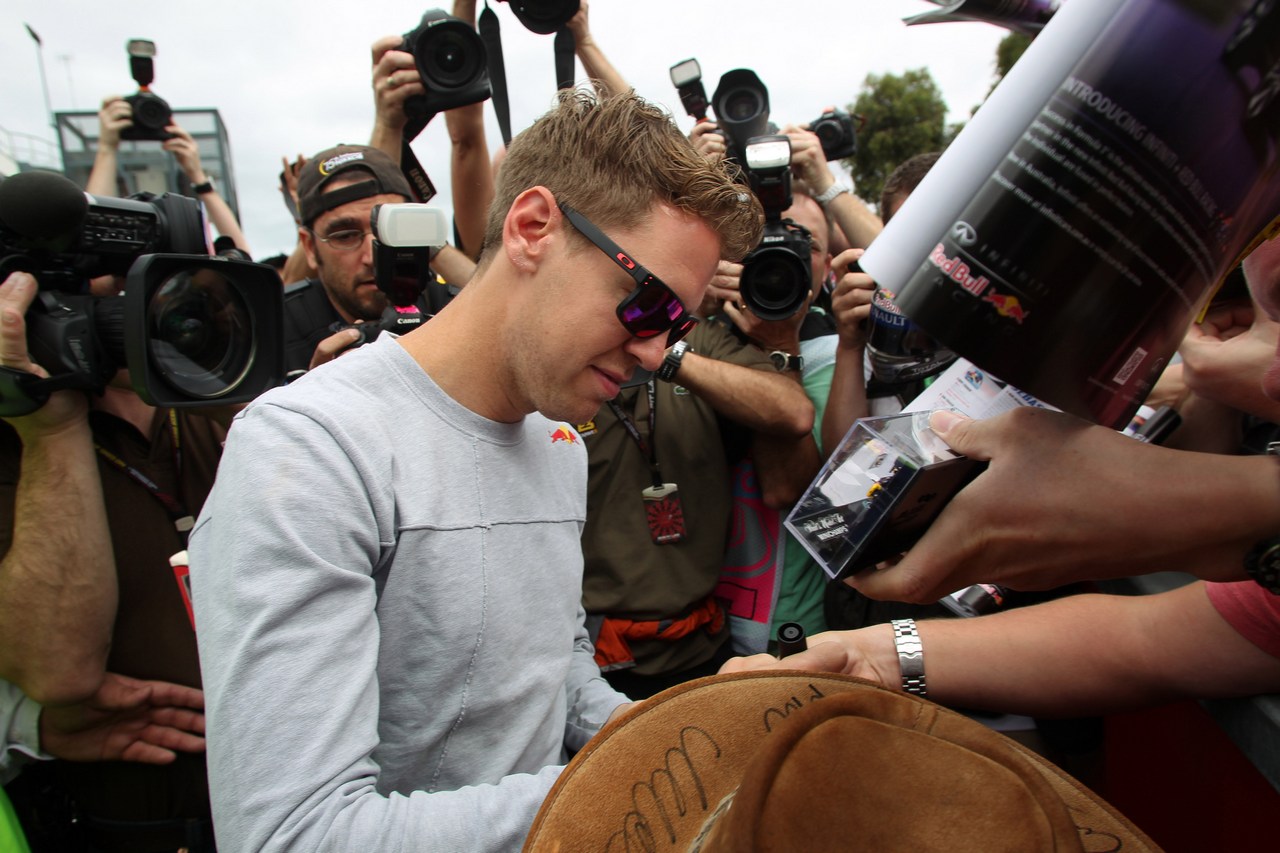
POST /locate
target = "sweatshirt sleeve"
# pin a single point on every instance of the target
(591, 698)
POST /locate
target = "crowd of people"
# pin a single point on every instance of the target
(431, 568)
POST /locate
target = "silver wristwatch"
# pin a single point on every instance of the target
(906, 640)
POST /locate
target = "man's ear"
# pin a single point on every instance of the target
(529, 230)
(308, 241)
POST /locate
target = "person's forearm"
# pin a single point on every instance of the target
(471, 175)
(58, 581)
(784, 467)
(388, 140)
(297, 267)
(224, 221)
(1091, 654)
(102, 177)
(855, 219)
(847, 400)
(454, 266)
(609, 81)
(760, 400)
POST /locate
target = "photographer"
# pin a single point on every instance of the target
(335, 238)
(783, 468)
(396, 79)
(845, 211)
(96, 494)
(113, 117)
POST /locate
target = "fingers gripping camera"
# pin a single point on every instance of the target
(405, 239)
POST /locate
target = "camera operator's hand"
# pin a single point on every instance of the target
(708, 141)
(851, 300)
(395, 79)
(184, 149)
(723, 288)
(333, 346)
(808, 162)
(64, 409)
(113, 117)
(1063, 500)
(769, 335)
(126, 720)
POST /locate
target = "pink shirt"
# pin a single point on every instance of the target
(1251, 610)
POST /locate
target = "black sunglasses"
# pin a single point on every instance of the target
(651, 308)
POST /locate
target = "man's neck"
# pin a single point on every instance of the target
(463, 350)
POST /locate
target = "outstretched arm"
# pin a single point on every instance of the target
(608, 80)
(58, 580)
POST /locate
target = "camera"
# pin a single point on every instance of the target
(835, 130)
(686, 76)
(776, 276)
(151, 113)
(404, 236)
(191, 328)
(741, 104)
(451, 60)
(543, 16)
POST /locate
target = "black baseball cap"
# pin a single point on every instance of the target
(318, 172)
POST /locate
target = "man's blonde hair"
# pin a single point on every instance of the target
(613, 159)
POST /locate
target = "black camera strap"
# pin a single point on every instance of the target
(564, 48)
(419, 181)
(491, 36)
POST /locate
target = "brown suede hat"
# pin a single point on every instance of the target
(796, 761)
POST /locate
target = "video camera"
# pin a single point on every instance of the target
(192, 329)
(151, 113)
(776, 276)
(404, 237)
(451, 59)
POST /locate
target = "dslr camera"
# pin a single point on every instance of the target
(543, 16)
(192, 329)
(151, 113)
(776, 276)
(404, 238)
(741, 104)
(451, 59)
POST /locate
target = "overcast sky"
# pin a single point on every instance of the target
(294, 77)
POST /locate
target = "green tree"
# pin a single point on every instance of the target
(1008, 52)
(903, 115)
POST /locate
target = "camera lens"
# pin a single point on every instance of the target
(152, 112)
(774, 283)
(446, 60)
(200, 334)
(741, 105)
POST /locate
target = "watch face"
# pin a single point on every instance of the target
(779, 360)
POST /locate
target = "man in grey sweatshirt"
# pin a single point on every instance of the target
(387, 575)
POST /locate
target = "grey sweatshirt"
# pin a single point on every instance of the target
(387, 596)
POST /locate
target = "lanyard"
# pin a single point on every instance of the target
(182, 519)
(650, 451)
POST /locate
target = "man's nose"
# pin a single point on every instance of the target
(648, 351)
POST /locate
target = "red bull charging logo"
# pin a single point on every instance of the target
(565, 434)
